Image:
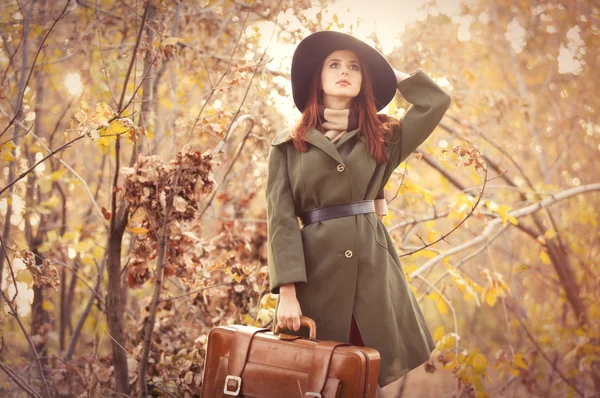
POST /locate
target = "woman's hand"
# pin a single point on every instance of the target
(288, 312)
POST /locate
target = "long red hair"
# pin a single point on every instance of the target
(373, 126)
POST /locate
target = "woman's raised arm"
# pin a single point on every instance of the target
(428, 102)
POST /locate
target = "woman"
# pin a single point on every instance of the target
(340, 266)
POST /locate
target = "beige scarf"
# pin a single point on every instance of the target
(337, 122)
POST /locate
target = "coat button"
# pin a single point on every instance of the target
(340, 167)
(348, 253)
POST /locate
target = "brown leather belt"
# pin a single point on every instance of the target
(329, 212)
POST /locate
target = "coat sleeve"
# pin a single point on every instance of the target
(285, 254)
(429, 102)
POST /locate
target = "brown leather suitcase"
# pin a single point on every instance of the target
(251, 362)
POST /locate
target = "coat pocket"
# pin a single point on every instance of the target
(378, 233)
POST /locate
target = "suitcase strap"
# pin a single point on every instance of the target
(238, 357)
(319, 366)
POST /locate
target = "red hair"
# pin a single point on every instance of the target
(373, 126)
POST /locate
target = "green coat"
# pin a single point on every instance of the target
(349, 265)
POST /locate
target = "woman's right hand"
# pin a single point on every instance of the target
(288, 312)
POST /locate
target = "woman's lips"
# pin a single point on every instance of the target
(345, 82)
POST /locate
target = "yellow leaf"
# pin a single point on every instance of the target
(513, 371)
(172, 41)
(450, 365)
(69, 236)
(477, 383)
(87, 260)
(7, 156)
(98, 252)
(439, 333)
(491, 297)
(432, 235)
(115, 127)
(449, 341)
(479, 362)
(104, 142)
(440, 304)
(139, 230)
(549, 234)
(545, 339)
(544, 257)
(51, 202)
(426, 253)
(9, 146)
(84, 106)
(52, 236)
(47, 305)
(84, 245)
(55, 176)
(429, 224)
(518, 360)
(25, 277)
(44, 247)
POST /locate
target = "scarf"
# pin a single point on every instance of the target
(337, 122)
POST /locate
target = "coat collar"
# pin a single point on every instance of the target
(317, 139)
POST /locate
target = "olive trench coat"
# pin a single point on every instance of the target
(349, 265)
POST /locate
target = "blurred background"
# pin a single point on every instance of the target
(134, 138)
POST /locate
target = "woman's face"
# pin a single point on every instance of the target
(341, 76)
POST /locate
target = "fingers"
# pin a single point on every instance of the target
(289, 323)
(296, 323)
(288, 316)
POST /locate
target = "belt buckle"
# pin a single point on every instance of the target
(239, 385)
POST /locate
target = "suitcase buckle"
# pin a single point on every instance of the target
(239, 385)
(312, 394)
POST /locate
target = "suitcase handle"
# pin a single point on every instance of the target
(304, 321)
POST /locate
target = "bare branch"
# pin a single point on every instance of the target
(42, 45)
(491, 225)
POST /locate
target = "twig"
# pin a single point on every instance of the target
(491, 225)
(86, 312)
(54, 152)
(20, 102)
(10, 267)
(471, 255)
(14, 313)
(195, 291)
(19, 380)
(443, 237)
(84, 182)
(543, 354)
(449, 305)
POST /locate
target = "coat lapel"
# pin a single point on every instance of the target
(317, 139)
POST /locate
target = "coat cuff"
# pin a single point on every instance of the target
(381, 207)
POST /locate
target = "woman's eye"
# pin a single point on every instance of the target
(333, 65)
(355, 67)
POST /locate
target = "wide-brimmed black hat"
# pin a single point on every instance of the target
(313, 50)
